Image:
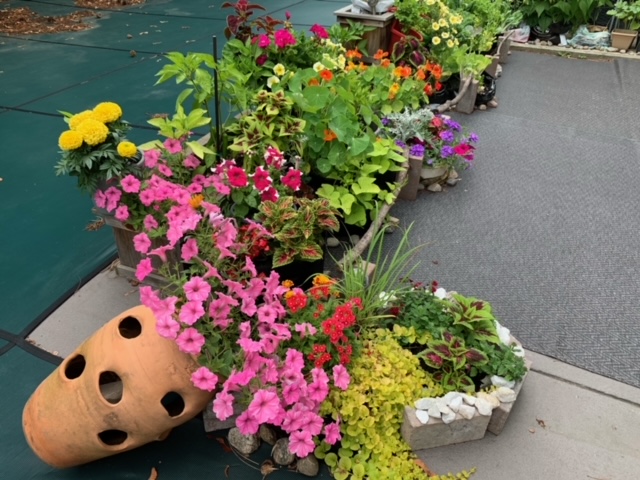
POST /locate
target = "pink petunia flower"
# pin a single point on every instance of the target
(191, 161)
(197, 289)
(147, 197)
(151, 157)
(204, 379)
(165, 170)
(167, 327)
(267, 314)
(293, 179)
(141, 243)
(269, 195)
(294, 360)
(305, 329)
(312, 423)
(189, 249)
(247, 424)
(190, 341)
(332, 433)
(100, 198)
(113, 196)
(261, 179)
(264, 406)
(130, 184)
(301, 443)
(237, 177)
(150, 223)
(172, 145)
(341, 378)
(240, 379)
(143, 269)
(161, 252)
(191, 312)
(122, 213)
(149, 298)
(274, 157)
(249, 346)
(223, 405)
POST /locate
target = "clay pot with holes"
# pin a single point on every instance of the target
(122, 388)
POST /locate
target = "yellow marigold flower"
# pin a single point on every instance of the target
(279, 69)
(443, 22)
(93, 132)
(196, 201)
(435, 40)
(127, 149)
(107, 112)
(435, 26)
(273, 80)
(288, 284)
(70, 140)
(450, 43)
(444, 35)
(78, 118)
(318, 66)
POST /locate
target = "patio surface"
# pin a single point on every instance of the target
(545, 228)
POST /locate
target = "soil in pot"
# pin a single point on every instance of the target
(487, 91)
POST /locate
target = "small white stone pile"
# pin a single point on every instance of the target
(446, 407)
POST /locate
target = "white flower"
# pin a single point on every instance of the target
(440, 293)
(504, 334)
(387, 297)
(518, 351)
(318, 66)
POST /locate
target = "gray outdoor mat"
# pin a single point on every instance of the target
(545, 226)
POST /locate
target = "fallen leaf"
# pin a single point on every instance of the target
(541, 423)
(532, 430)
(154, 474)
(424, 467)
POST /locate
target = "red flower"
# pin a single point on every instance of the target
(269, 195)
(237, 177)
(319, 31)
(293, 179)
(464, 150)
(327, 75)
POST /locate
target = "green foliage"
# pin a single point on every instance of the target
(504, 362)
(351, 34)
(297, 225)
(181, 124)
(628, 13)
(384, 378)
(543, 13)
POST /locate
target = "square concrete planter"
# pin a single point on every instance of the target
(436, 433)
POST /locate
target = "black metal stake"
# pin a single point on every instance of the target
(216, 91)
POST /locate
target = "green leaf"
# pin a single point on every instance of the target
(198, 149)
(359, 145)
(331, 459)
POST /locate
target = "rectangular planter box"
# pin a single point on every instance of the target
(623, 39)
(503, 51)
(468, 102)
(493, 68)
(376, 39)
(436, 433)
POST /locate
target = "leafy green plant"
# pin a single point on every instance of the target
(628, 13)
(544, 13)
(297, 225)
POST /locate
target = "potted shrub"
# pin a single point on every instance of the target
(629, 13)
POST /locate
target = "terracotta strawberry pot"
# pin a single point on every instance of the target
(122, 388)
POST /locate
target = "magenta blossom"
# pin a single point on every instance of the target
(270, 195)
(261, 60)
(265, 406)
(167, 327)
(263, 41)
(261, 179)
(237, 177)
(284, 38)
(151, 157)
(301, 443)
(247, 424)
(172, 145)
(223, 405)
(191, 161)
(141, 243)
(189, 249)
(190, 341)
(293, 179)
(130, 184)
(197, 289)
(319, 31)
(341, 378)
(191, 312)
(122, 213)
(332, 433)
(143, 269)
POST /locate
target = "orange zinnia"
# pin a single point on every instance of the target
(327, 75)
(314, 82)
(329, 135)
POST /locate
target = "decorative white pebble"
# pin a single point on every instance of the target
(423, 416)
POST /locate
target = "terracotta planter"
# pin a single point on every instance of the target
(122, 388)
(399, 31)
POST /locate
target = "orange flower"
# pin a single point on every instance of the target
(314, 82)
(436, 71)
(288, 284)
(329, 135)
(393, 91)
(327, 75)
(196, 201)
(355, 53)
(402, 72)
(362, 67)
(420, 75)
(351, 66)
(428, 89)
(380, 54)
(385, 63)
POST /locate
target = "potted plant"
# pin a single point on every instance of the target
(374, 23)
(95, 148)
(629, 13)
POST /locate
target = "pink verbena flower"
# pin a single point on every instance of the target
(190, 341)
(204, 379)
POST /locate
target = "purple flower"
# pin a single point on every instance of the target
(473, 137)
(447, 136)
(446, 151)
(452, 125)
(417, 150)
(386, 122)
(401, 144)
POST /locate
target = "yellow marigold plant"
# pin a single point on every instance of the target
(107, 112)
(127, 149)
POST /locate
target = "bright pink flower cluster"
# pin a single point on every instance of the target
(284, 38)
